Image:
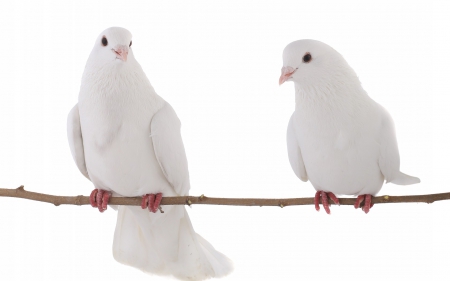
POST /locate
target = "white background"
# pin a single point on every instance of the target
(218, 64)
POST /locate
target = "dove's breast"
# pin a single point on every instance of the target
(117, 142)
(340, 148)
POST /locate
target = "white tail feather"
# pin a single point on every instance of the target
(404, 179)
(166, 244)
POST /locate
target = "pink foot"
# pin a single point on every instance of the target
(367, 198)
(325, 196)
(151, 201)
(99, 199)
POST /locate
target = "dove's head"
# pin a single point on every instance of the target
(112, 48)
(311, 63)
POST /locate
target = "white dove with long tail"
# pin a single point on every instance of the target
(338, 137)
(126, 139)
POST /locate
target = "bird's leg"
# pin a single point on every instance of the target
(99, 199)
(359, 200)
(325, 203)
(151, 201)
(334, 198)
(316, 200)
(367, 198)
(154, 207)
(144, 202)
(367, 203)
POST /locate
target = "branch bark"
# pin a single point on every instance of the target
(20, 192)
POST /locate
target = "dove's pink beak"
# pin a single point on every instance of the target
(121, 52)
(286, 73)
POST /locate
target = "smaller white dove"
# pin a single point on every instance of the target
(338, 137)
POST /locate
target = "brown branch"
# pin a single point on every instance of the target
(20, 192)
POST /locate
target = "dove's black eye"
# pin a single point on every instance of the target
(131, 42)
(104, 41)
(307, 58)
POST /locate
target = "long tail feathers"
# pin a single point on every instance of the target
(166, 244)
(404, 179)
(220, 263)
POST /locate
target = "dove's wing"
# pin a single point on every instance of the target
(294, 153)
(76, 140)
(389, 161)
(169, 148)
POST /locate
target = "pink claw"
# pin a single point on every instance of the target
(367, 198)
(325, 203)
(316, 200)
(157, 202)
(144, 203)
(92, 198)
(151, 201)
(367, 203)
(99, 198)
(334, 198)
(105, 200)
(358, 201)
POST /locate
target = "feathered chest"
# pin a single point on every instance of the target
(115, 108)
(336, 125)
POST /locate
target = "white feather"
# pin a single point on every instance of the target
(294, 153)
(76, 140)
(345, 139)
(169, 149)
(133, 146)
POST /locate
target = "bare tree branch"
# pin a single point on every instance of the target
(20, 192)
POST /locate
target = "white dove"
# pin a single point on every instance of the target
(126, 139)
(338, 137)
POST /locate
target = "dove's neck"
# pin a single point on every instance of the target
(335, 105)
(112, 94)
(329, 93)
(125, 82)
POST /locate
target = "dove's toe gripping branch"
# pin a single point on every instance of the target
(99, 199)
(325, 196)
(151, 201)
(367, 202)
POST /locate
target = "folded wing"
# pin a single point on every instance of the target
(169, 148)
(294, 153)
(76, 140)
